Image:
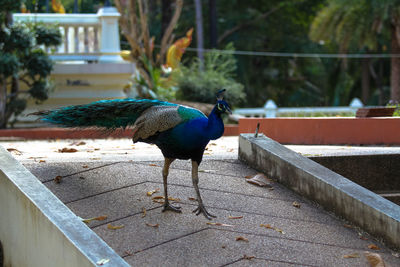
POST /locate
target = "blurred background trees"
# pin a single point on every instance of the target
(298, 28)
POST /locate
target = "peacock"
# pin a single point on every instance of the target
(180, 132)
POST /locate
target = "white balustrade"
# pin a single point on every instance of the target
(86, 37)
(271, 110)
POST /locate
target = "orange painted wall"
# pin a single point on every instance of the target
(327, 131)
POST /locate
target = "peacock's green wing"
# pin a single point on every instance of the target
(161, 118)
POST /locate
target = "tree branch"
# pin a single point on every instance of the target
(166, 37)
(246, 24)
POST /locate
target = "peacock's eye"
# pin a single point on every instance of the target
(220, 107)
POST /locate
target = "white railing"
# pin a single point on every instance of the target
(86, 37)
(271, 110)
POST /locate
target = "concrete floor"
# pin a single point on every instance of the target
(112, 178)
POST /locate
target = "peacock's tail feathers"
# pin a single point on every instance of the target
(108, 114)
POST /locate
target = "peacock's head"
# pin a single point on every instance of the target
(222, 106)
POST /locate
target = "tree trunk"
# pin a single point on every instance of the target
(365, 80)
(199, 31)
(395, 69)
(213, 23)
(166, 15)
(3, 102)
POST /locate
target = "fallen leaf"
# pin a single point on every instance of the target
(77, 143)
(57, 179)
(219, 224)
(241, 238)
(157, 197)
(102, 262)
(97, 149)
(245, 257)
(153, 225)
(296, 204)
(374, 247)
(153, 165)
(42, 161)
(127, 253)
(235, 217)
(116, 227)
(260, 179)
(192, 199)
(169, 198)
(248, 176)
(268, 226)
(144, 212)
(16, 151)
(67, 150)
(350, 256)
(99, 218)
(230, 150)
(374, 259)
(150, 193)
(85, 166)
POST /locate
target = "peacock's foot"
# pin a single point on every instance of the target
(168, 206)
(202, 209)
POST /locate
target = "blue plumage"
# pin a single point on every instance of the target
(180, 132)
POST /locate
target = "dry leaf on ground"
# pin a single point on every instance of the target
(67, 150)
(99, 218)
(296, 204)
(14, 150)
(114, 227)
(77, 143)
(85, 166)
(57, 179)
(241, 238)
(374, 259)
(246, 257)
(150, 193)
(261, 180)
(153, 225)
(144, 212)
(153, 165)
(192, 199)
(235, 217)
(42, 161)
(268, 226)
(374, 247)
(219, 224)
(350, 256)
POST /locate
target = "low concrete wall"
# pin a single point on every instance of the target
(336, 193)
(37, 229)
(327, 131)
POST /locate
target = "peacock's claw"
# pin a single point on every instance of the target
(168, 206)
(202, 209)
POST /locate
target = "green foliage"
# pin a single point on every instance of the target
(9, 64)
(218, 72)
(38, 63)
(9, 5)
(48, 36)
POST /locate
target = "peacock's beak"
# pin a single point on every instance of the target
(228, 110)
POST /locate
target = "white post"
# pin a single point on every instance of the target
(270, 109)
(356, 104)
(109, 42)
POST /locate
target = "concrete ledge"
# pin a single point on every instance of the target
(37, 229)
(334, 192)
(327, 131)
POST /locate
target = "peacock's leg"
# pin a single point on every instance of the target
(195, 179)
(165, 171)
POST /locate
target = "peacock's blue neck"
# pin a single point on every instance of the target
(215, 126)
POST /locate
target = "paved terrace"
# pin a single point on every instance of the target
(112, 178)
